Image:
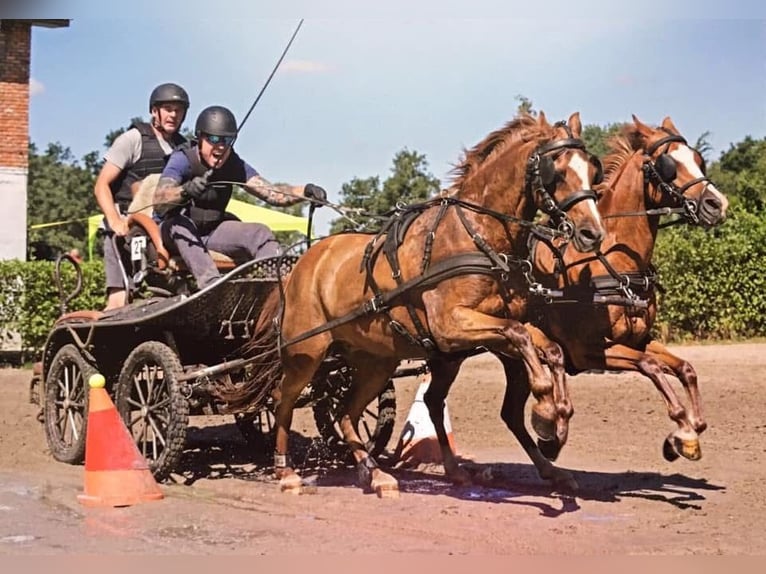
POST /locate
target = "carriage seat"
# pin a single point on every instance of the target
(140, 214)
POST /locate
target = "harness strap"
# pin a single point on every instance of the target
(464, 264)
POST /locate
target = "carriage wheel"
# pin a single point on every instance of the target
(150, 401)
(258, 428)
(376, 425)
(65, 413)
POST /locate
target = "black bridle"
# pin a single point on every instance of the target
(658, 171)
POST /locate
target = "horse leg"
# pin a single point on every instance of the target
(512, 413)
(685, 373)
(553, 356)
(684, 440)
(443, 373)
(370, 377)
(295, 378)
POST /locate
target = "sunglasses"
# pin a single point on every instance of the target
(215, 140)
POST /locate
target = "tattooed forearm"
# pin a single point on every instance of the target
(167, 195)
(274, 193)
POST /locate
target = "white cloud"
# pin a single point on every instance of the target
(35, 87)
(305, 67)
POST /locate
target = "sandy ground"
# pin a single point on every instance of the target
(631, 501)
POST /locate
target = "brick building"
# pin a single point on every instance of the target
(15, 53)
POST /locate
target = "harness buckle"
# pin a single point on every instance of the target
(374, 305)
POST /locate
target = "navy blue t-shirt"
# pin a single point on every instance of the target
(179, 169)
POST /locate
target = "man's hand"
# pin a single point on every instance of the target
(119, 226)
(311, 191)
(194, 188)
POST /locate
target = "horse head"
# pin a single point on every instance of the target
(560, 174)
(676, 172)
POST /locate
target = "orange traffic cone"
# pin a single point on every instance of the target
(418, 443)
(115, 472)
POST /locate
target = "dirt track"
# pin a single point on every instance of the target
(630, 500)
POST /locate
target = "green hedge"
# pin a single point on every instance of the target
(715, 281)
(30, 301)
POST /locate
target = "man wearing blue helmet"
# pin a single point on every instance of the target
(195, 188)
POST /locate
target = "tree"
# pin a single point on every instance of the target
(409, 182)
(60, 190)
(741, 174)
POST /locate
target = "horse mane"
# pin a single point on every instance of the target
(622, 146)
(523, 127)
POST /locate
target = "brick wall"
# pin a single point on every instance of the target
(15, 39)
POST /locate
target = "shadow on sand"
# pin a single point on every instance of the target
(221, 452)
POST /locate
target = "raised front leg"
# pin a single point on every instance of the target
(688, 377)
(684, 441)
(553, 357)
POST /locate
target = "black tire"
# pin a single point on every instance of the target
(152, 404)
(258, 428)
(376, 424)
(65, 413)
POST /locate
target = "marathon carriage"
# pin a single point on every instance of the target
(170, 356)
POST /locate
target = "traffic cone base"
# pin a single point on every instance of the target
(115, 472)
(418, 443)
(119, 488)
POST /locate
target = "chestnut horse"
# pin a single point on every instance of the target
(443, 277)
(649, 172)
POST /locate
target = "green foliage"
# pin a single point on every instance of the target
(60, 189)
(715, 286)
(741, 172)
(596, 138)
(30, 300)
(409, 182)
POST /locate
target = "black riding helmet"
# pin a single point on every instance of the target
(168, 93)
(216, 121)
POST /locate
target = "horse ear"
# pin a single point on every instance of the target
(575, 124)
(542, 119)
(668, 124)
(642, 128)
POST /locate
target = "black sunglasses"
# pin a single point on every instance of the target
(215, 140)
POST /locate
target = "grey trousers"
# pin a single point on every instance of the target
(237, 239)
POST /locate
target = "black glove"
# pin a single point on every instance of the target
(194, 188)
(311, 191)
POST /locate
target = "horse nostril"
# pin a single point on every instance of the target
(591, 237)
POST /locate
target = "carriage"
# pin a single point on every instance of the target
(166, 358)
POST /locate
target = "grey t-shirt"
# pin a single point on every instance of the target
(126, 149)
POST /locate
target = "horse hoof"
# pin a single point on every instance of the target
(384, 485)
(291, 484)
(544, 428)
(460, 477)
(565, 482)
(384, 491)
(550, 449)
(690, 449)
(669, 451)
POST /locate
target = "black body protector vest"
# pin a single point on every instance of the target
(153, 159)
(208, 212)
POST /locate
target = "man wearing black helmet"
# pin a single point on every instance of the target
(140, 151)
(195, 188)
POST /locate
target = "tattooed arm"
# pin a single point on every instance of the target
(280, 194)
(167, 195)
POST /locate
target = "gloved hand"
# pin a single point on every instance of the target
(194, 188)
(311, 191)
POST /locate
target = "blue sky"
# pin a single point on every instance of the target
(360, 84)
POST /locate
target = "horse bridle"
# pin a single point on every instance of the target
(662, 172)
(541, 176)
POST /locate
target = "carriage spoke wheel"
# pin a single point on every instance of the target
(152, 405)
(65, 413)
(258, 428)
(376, 425)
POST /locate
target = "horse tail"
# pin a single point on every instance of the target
(264, 368)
